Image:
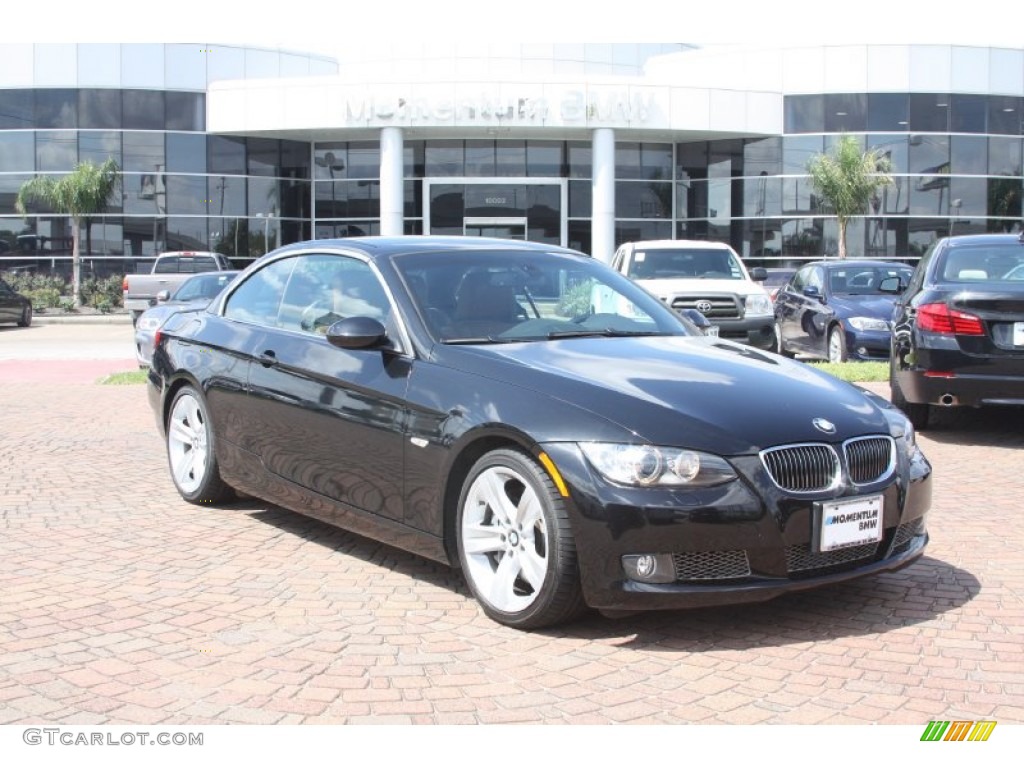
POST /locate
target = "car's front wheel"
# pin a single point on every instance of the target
(837, 352)
(190, 450)
(515, 545)
(780, 347)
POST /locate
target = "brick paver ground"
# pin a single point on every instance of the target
(121, 604)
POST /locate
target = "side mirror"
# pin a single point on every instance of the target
(758, 274)
(357, 333)
(812, 292)
(893, 285)
(698, 319)
(163, 295)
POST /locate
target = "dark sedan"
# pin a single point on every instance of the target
(458, 397)
(195, 293)
(839, 310)
(14, 308)
(958, 330)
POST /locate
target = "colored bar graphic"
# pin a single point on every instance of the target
(958, 730)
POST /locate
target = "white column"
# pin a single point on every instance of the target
(392, 197)
(602, 237)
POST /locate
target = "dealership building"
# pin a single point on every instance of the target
(240, 149)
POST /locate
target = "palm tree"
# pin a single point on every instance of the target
(847, 179)
(84, 192)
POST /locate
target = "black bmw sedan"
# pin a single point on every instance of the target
(460, 398)
(958, 329)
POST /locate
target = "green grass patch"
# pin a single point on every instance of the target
(125, 377)
(856, 371)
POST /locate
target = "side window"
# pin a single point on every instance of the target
(325, 288)
(799, 281)
(815, 278)
(258, 299)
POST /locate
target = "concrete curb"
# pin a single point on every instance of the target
(113, 319)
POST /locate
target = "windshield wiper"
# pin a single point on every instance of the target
(609, 332)
(483, 340)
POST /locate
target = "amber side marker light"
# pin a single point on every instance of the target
(556, 476)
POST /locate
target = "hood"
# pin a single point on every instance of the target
(668, 287)
(697, 392)
(879, 307)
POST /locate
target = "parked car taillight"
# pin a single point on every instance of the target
(938, 318)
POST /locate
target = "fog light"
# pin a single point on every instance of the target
(862, 351)
(651, 569)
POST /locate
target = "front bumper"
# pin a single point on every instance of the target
(757, 331)
(730, 543)
(868, 345)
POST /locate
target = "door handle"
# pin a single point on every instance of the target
(268, 358)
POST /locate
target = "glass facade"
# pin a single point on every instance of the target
(180, 188)
(956, 164)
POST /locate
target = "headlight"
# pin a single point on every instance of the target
(868, 324)
(759, 304)
(900, 428)
(652, 465)
(149, 323)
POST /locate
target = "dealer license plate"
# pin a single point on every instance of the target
(850, 522)
(1018, 334)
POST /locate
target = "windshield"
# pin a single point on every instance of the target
(865, 280)
(687, 262)
(496, 297)
(983, 262)
(203, 286)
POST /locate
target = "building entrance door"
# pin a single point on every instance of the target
(508, 227)
(520, 209)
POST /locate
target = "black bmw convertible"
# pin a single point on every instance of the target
(462, 399)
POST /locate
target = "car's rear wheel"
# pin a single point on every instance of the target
(190, 450)
(515, 545)
(837, 352)
(918, 413)
(780, 347)
(26, 316)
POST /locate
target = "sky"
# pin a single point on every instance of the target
(325, 27)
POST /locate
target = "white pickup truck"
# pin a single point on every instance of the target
(707, 276)
(142, 290)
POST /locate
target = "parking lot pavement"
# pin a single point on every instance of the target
(121, 604)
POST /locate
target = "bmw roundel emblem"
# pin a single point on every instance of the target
(824, 425)
(704, 306)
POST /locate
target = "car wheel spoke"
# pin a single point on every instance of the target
(482, 539)
(502, 588)
(534, 567)
(494, 495)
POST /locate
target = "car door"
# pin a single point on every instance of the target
(795, 308)
(331, 419)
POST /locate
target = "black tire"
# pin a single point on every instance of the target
(779, 347)
(836, 350)
(918, 413)
(26, 317)
(135, 317)
(522, 571)
(191, 453)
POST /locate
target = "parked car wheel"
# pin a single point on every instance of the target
(190, 450)
(26, 317)
(514, 542)
(918, 413)
(780, 347)
(837, 345)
